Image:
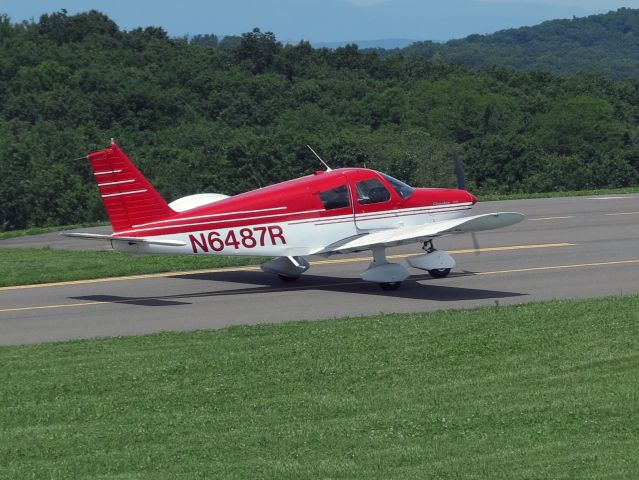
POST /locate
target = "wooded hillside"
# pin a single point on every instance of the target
(198, 118)
(605, 44)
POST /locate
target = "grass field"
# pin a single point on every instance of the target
(557, 194)
(25, 266)
(537, 391)
(40, 230)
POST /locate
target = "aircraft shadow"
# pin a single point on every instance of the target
(410, 289)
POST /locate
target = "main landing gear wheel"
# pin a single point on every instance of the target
(389, 276)
(284, 278)
(439, 272)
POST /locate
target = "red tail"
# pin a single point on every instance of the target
(128, 197)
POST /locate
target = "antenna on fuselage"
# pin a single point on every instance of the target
(328, 169)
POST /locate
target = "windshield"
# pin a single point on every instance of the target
(401, 188)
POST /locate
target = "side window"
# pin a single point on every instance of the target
(335, 198)
(372, 191)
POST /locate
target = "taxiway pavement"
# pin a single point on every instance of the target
(567, 248)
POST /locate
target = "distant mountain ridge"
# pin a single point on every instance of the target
(386, 43)
(313, 20)
(606, 44)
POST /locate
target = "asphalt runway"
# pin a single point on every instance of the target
(567, 248)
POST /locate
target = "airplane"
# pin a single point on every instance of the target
(329, 212)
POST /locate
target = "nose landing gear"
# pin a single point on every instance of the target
(436, 262)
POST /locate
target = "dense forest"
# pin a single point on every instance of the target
(206, 116)
(605, 44)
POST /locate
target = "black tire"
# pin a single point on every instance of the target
(284, 278)
(389, 286)
(440, 272)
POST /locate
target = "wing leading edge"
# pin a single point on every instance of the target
(399, 236)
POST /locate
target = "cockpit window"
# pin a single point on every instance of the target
(372, 191)
(335, 198)
(401, 188)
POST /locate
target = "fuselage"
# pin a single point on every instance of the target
(300, 217)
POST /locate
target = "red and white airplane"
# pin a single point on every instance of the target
(334, 211)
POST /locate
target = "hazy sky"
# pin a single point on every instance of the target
(590, 4)
(324, 20)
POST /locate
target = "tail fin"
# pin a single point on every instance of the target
(128, 197)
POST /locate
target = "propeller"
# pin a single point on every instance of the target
(459, 172)
(461, 185)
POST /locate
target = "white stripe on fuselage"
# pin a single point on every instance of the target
(391, 213)
(138, 230)
(211, 215)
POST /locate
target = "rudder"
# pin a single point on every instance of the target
(130, 200)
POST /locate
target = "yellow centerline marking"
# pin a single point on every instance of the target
(252, 268)
(559, 267)
(454, 252)
(549, 218)
(495, 272)
(133, 277)
(241, 269)
(61, 305)
(514, 247)
(623, 213)
(625, 197)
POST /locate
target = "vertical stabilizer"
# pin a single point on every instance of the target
(128, 197)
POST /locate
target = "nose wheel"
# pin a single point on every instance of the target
(436, 262)
(428, 247)
(439, 272)
(389, 286)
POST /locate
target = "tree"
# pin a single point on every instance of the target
(228, 119)
(257, 50)
(574, 124)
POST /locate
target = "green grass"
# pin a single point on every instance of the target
(25, 266)
(535, 391)
(579, 193)
(41, 230)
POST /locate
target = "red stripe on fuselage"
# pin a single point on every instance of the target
(386, 214)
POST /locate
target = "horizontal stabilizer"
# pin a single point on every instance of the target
(150, 241)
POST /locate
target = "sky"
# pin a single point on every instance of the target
(603, 5)
(324, 21)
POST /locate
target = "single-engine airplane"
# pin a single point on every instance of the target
(334, 211)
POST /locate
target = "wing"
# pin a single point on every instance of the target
(150, 241)
(398, 236)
